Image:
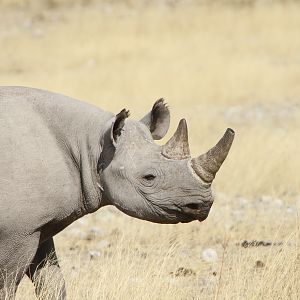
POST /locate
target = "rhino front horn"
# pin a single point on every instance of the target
(207, 165)
(178, 145)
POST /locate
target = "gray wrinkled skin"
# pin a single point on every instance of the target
(61, 159)
(156, 188)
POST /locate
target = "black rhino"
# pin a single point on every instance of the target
(61, 159)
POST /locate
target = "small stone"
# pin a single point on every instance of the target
(245, 244)
(184, 272)
(93, 254)
(243, 202)
(277, 202)
(259, 264)
(103, 244)
(209, 255)
(266, 200)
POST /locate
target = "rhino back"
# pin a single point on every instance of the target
(40, 134)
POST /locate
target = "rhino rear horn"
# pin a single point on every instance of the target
(178, 145)
(207, 165)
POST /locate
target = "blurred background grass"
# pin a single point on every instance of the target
(218, 64)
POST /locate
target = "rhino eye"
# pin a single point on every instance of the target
(149, 177)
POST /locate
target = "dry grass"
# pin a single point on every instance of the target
(149, 261)
(217, 66)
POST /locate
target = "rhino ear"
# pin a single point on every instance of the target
(158, 119)
(117, 126)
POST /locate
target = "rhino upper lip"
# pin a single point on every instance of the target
(191, 211)
(197, 210)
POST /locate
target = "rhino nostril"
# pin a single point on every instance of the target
(193, 205)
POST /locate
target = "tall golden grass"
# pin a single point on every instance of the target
(149, 261)
(217, 66)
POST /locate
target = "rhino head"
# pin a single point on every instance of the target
(161, 184)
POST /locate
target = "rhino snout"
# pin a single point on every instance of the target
(198, 210)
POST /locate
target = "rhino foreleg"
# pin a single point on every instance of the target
(45, 273)
(16, 253)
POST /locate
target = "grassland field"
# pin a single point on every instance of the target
(218, 64)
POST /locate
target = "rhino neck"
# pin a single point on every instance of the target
(91, 193)
(88, 153)
(77, 128)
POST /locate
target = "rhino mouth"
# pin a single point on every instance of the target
(196, 211)
(183, 218)
(186, 213)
